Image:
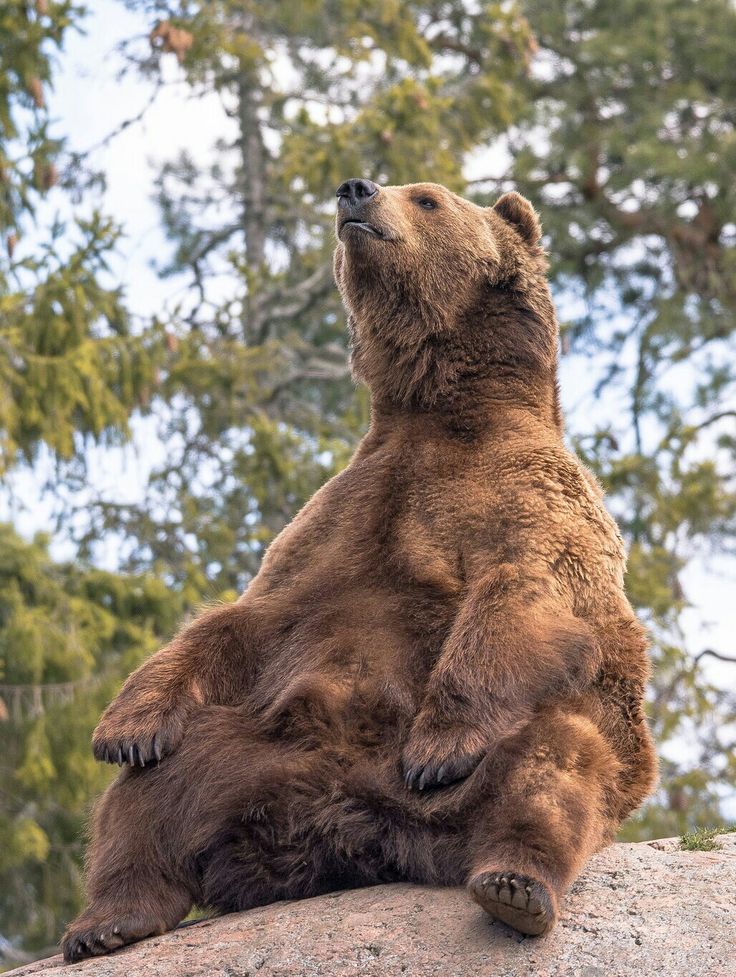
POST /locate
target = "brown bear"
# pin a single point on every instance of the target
(436, 676)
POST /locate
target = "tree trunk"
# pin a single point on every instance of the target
(253, 176)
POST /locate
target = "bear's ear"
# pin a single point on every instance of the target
(517, 211)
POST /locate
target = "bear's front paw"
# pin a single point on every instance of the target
(435, 756)
(95, 933)
(137, 729)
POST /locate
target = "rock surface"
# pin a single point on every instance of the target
(638, 909)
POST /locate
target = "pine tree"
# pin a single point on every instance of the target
(70, 369)
(68, 637)
(628, 147)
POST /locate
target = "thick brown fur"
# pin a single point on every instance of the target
(435, 676)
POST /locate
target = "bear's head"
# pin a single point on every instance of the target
(444, 297)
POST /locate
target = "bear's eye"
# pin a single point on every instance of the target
(427, 203)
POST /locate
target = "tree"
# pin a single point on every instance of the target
(68, 637)
(634, 176)
(70, 368)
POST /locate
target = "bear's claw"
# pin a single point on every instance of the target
(135, 754)
(435, 773)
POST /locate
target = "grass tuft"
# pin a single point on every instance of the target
(704, 839)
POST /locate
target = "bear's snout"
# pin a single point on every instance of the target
(355, 205)
(353, 196)
(354, 193)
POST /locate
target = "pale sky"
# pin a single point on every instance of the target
(89, 102)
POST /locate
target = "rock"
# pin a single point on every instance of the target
(647, 908)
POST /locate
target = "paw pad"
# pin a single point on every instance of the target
(516, 899)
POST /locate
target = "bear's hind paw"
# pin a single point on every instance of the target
(517, 900)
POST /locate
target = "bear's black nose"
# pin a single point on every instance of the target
(353, 192)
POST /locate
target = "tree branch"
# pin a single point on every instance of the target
(126, 123)
(714, 419)
(292, 302)
(210, 241)
(710, 653)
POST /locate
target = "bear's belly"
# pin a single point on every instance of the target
(354, 669)
(337, 709)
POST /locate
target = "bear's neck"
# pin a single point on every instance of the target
(496, 370)
(477, 409)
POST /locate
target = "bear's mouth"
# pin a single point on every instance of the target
(362, 226)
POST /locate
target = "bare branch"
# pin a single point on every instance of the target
(714, 419)
(126, 123)
(442, 42)
(210, 241)
(709, 652)
(292, 302)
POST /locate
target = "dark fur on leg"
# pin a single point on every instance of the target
(134, 890)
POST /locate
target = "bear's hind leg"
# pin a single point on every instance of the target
(550, 812)
(131, 886)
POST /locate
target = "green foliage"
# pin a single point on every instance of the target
(29, 32)
(70, 367)
(628, 145)
(70, 370)
(67, 639)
